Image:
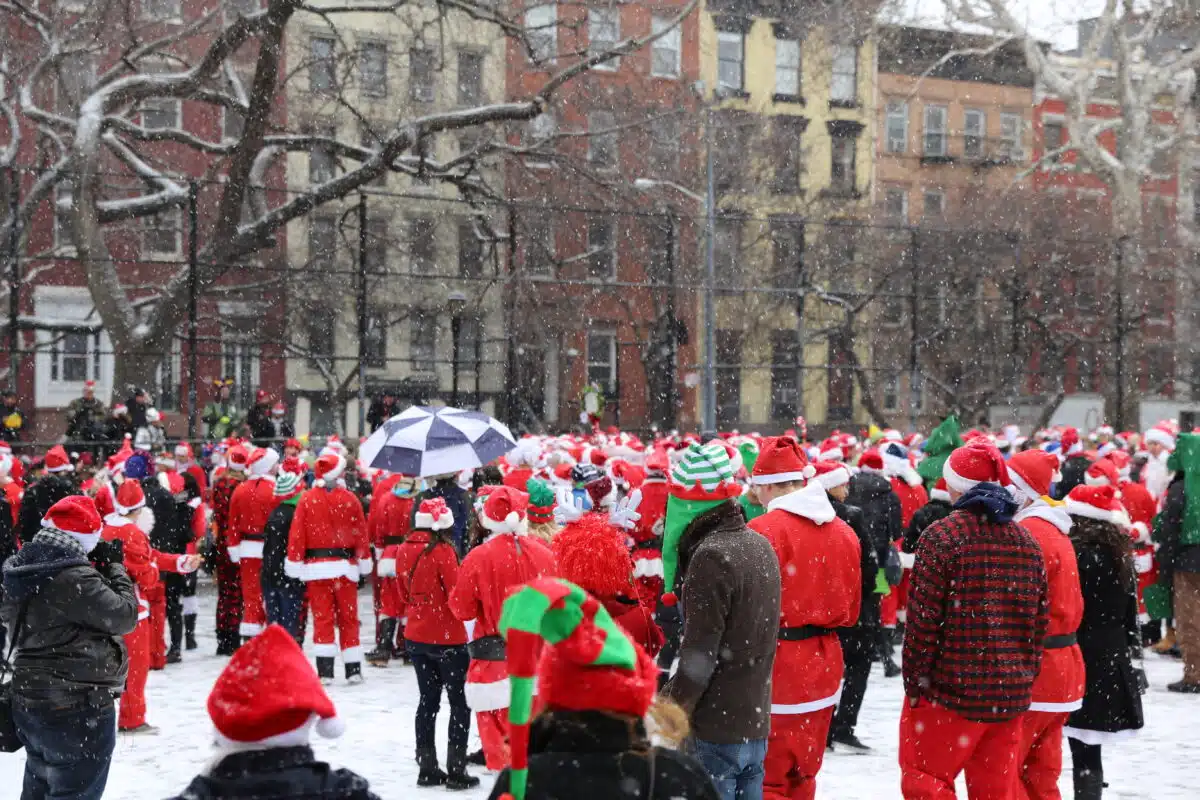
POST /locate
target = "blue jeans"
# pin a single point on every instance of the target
(283, 605)
(736, 769)
(67, 749)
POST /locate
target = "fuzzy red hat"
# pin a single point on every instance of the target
(329, 468)
(977, 462)
(1032, 472)
(941, 491)
(602, 492)
(75, 514)
(871, 461)
(173, 483)
(593, 554)
(1141, 507)
(831, 474)
(57, 460)
(130, 498)
(781, 460)
(183, 451)
(504, 511)
(630, 475)
(1097, 502)
(262, 461)
(269, 695)
(1102, 472)
(433, 515)
(236, 458)
(658, 462)
(831, 450)
(293, 465)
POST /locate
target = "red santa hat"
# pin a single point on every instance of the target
(658, 463)
(262, 461)
(626, 474)
(261, 396)
(268, 695)
(236, 458)
(335, 444)
(183, 452)
(975, 463)
(593, 554)
(941, 491)
(1097, 502)
(130, 498)
(75, 514)
(781, 460)
(1161, 433)
(871, 461)
(1070, 442)
(329, 468)
(433, 515)
(279, 409)
(1102, 472)
(1122, 461)
(1032, 472)
(505, 511)
(1141, 507)
(293, 444)
(57, 460)
(831, 474)
(292, 465)
(831, 450)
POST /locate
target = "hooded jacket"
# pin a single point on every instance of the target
(277, 773)
(873, 493)
(70, 643)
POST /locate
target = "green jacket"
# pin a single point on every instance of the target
(222, 419)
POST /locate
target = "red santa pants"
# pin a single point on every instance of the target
(229, 592)
(334, 604)
(132, 712)
(493, 735)
(795, 752)
(388, 605)
(1040, 756)
(936, 744)
(156, 637)
(254, 613)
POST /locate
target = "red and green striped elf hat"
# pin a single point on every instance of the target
(590, 664)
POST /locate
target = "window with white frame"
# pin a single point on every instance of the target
(897, 127)
(935, 204)
(162, 234)
(731, 56)
(160, 113)
(65, 359)
(240, 358)
(935, 131)
(373, 68)
(604, 31)
(602, 139)
(602, 360)
(665, 51)
(541, 29)
(974, 133)
(1011, 125)
(895, 204)
(162, 10)
(167, 378)
(602, 249)
(422, 344)
(322, 72)
(843, 87)
(64, 210)
(787, 67)
(422, 76)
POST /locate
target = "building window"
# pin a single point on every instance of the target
(244, 7)
(935, 131)
(470, 251)
(539, 132)
(1054, 136)
(75, 357)
(604, 32)
(787, 254)
(839, 386)
(729, 377)
(541, 28)
(916, 391)
(161, 10)
(1011, 125)
(602, 250)
(470, 344)
(727, 247)
(374, 343)
(731, 49)
(659, 254)
(665, 51)
(64, 213)
(166, 378)
(974, 133)
(663, 155)
(540, 252)
(787, 68)
(602, 139)
(897, 127)
(160, 113)
(786, 135)
(602, 361)
(785, 369)
(891, 391)
(470, 78)
(935, 205)
(373, 68)
(162, 235)
(322, 243)
(322, 75)
(422, 346)
(895, 205)
(731, 141)
(843, 87)
(1085, 367)
(322, 163)
(319, 339)
(378, 246)
(1158, 365)
(421, 76)
(843, 177)
(240, 354)
(233, 123)
(422, 244)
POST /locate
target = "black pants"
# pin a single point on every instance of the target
(437, 667)
(671, 622)
(1151, 632)
(856, 654)
(1087, 769)
(174, 584)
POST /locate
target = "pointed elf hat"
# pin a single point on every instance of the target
(590, 664)
(702, 480)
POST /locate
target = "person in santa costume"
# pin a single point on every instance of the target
(265, 706)
(1142, 509)
(143, 563)
(647, 533)
(436, 640)
(977, 616)
(283, 596)
(57, 483)
(388, 522)
(249, 509)
(225, 570)
(1058, 689)
(1075, 463)
(1159, 442)
(9, 509)
(185, 462)
(871, 491)
(597, 689)
(329, 550)
(524, 460)
(506, 558)
(542, 503)
(910, 491)
(819, 561)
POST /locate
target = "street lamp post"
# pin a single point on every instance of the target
(455, 302)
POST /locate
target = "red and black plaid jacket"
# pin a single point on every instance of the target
(222, 494)
(977, 614)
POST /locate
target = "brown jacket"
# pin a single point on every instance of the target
(730, 604)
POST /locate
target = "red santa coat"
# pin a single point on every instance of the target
(384, 486)
(518, 477)
(142, 562)
(252, 503)
(197, 472)
(426, 580)
(1060, 683)
(1141, 506)
(647, 541)
(488, 575)
(912, 498)
(821, 586)
(387, 526)
(328, 537)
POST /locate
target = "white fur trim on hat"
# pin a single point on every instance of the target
(330, 728)
(942, 494)
(444, 522)
(512, 523)
(334, 474)
(1078, 509)
(834, 478)
(957, 482)
(1099, 480)
(1019, 484)
(1160, 436)
(784, 477)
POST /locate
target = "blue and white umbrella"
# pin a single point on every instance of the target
(425, 441)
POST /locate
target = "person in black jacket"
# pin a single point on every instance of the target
(258, 420)
(382, 409)
(1179, 569)
(168, 534)
(937, 508)
(859, 641)
(68, 616)
(283, 596)
(1074, 471)
(872, 492)
(43, 493)
(447, 488)
(1109, 637)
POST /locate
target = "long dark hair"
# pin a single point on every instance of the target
(1085, 529)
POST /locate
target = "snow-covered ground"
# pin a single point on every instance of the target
(379, 739)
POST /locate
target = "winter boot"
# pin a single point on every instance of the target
(898, 635)
(354, 672)
(1183, 687)
(850, 743)
(430, 774)
(1165, 643)
(456, 765)
(1089, 785)
(174, 656)
(477, 758)
(227, 642)
(384, 636)
(890, 668)
(189, 630)
(325, 666)
(176, 626)
(145, 729)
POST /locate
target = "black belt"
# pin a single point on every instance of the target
(1059, 641)
(253, 537)
(802, 632)
(488, 648)
(392, 540)
(330, 552)
(649, 544)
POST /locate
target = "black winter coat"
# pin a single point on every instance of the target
(459, 505)
(70, 644)
(275, 544)
(8, 533)
(261, 428)
(925, 516)
(170, 533)
(881, 511)
(280, 773)
(38, 498)
(1107, 634)
(1173, 555)
(868, 617)
(589, 755)
(1074, 469)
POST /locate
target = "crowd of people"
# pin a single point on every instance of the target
(736, 591)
